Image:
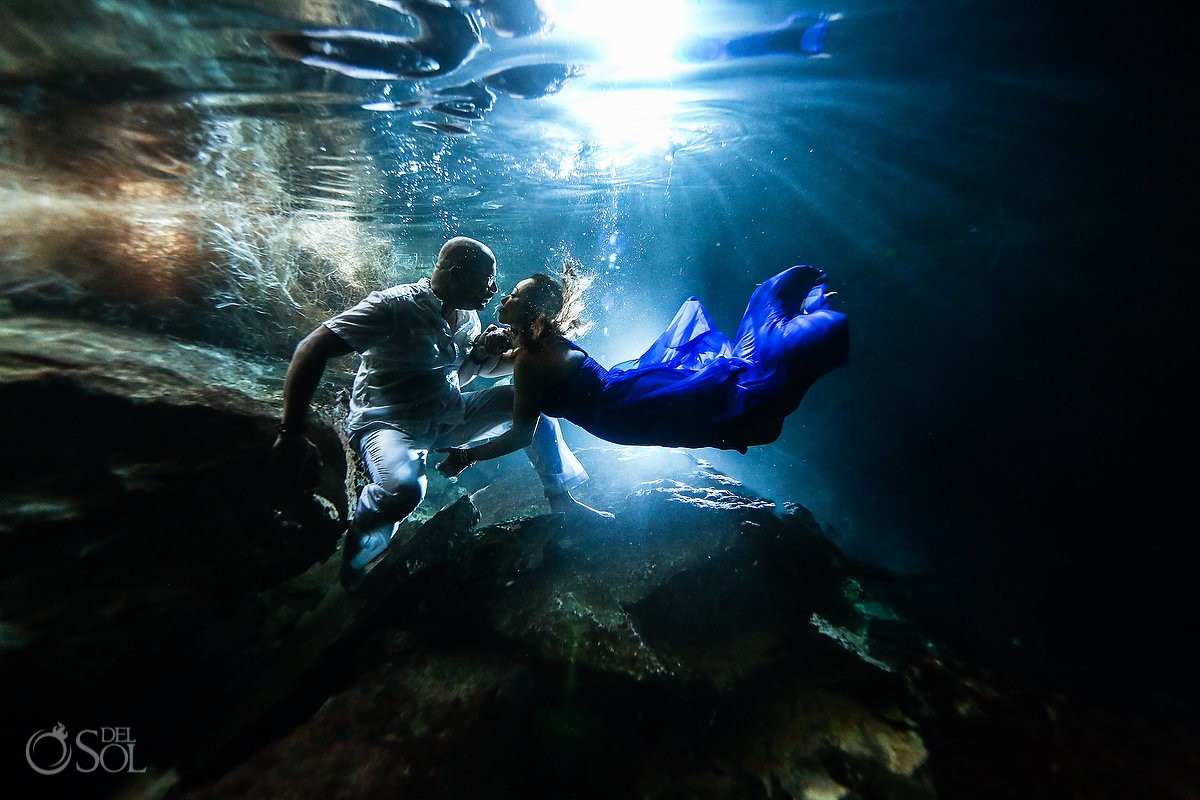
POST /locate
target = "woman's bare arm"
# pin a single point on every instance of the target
(529, 377)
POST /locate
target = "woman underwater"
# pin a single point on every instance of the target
(693, 388)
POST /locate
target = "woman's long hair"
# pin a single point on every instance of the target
(559, 303)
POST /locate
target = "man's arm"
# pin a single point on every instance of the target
(528, 386)
(497, 366)
(294, 457)
(304, 374)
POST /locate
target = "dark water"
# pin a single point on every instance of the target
(988, 184)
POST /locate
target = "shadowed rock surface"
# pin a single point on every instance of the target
(705, 644)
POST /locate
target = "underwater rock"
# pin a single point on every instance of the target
(137, 528)
(697, 579)
(419, 722)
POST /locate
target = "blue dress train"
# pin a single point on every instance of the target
(695, 387)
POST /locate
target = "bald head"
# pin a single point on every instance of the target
(465, 274)
(463, 251)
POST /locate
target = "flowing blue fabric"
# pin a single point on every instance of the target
(689, 342)
(694, 387)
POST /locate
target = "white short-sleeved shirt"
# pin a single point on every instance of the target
(408, 377)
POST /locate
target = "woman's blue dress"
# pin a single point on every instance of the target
(696, 388)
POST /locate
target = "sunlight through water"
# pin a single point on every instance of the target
(637, 39)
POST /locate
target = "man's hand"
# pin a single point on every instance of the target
(296, 462)
(494, 341)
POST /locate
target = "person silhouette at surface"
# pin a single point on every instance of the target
(420, 343)
(801, 34)
(693, 388)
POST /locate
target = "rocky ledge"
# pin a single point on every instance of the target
(704, 644)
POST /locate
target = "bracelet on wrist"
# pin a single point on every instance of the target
(292, 427)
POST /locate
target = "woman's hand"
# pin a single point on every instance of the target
(455, 462)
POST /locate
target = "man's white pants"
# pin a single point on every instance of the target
(396, 460)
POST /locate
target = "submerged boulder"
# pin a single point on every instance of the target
(138, 529)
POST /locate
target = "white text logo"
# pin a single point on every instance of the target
(109, 749)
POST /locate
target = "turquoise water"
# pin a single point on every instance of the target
(976, 178)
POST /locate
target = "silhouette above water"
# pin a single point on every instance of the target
(803, 34)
